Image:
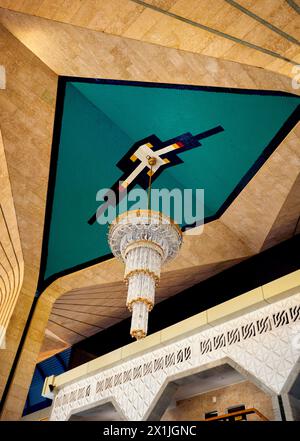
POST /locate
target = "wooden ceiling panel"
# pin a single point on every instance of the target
(79, 326)
(69, 334)
(91, 315)
(51, 345)
(77, 321)
(83, 305)
(111, 304)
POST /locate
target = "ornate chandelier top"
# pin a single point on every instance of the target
(144, 226)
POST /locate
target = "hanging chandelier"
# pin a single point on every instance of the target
(144, 240)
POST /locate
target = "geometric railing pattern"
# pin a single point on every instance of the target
(262, 342)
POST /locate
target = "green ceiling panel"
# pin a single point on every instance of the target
(98, 121)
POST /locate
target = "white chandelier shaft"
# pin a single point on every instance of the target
(143, 240)
(142, 272)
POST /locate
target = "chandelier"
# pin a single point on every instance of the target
(144, 240)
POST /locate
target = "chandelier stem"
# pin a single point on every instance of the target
(149, 188)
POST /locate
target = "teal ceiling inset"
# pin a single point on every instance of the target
(98, 122)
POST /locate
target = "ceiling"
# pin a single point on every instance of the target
(134, 42)
(98, 122)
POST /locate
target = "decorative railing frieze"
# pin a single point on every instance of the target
(261, 342)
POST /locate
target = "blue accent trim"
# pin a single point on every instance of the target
(55, 365)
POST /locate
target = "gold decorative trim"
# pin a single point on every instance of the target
(141, 300)
(138, 334)
(146, 244)
(152, 160)
(149, 212)
(133, 158)
(142, 271)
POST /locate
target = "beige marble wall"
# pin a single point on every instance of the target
(34, 51)
(27, 110)
(245, 393)
(128, 19)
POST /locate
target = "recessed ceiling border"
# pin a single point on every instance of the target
(293, 119)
